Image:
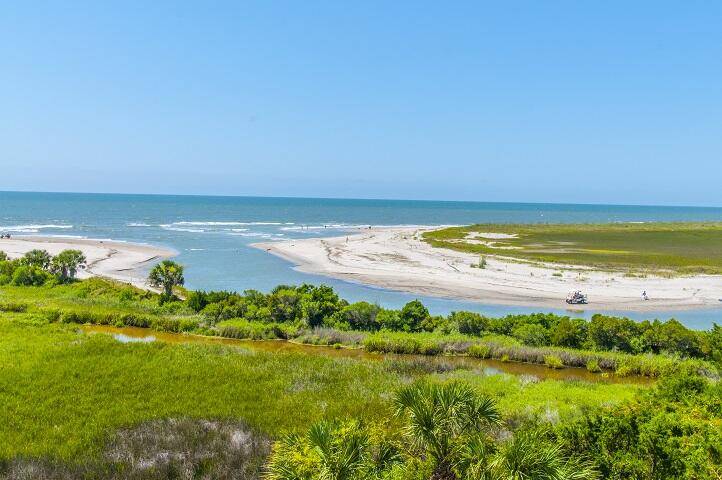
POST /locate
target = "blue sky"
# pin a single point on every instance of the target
(559, 101)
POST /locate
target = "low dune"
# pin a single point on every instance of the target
(397, 258)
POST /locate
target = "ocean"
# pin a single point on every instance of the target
(212, 234)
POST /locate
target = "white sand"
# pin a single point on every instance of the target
(398, 259)
(116, 260)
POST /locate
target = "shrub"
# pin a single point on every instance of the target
(197, 300)
(389, 344)
(330, 336)
(532, 334)
(412, 315)
(593, 365)
(552, 361)
(430, 348)
(469, 323)
(37, 258)
(173, 325)
(359, 316)
(27, 276)
(479, 351)
(87, 316)
(569, 333)
(13, 307)
(7, 267)
(5, 279)
(389, 320)
(244, 329)
(126, 295)
(51, 315)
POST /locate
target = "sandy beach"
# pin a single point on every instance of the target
(110, 259)
(397, 258)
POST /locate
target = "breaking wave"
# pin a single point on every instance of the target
(32, 228)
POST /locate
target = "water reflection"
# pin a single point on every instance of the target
(433, 363)
(123, 338)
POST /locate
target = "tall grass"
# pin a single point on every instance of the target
(622, 364)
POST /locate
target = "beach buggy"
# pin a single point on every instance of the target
(577, 298)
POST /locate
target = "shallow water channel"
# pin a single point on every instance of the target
(488, 366)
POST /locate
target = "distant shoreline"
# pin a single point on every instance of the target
(122, 261)
(398, 259)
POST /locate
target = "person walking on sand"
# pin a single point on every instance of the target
(644, 295)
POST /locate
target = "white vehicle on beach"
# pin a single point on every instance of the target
(577, 298)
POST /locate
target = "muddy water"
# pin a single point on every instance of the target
(489, 367)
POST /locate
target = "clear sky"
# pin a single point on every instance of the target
(548, 101)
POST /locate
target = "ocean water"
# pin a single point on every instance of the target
(212, 234)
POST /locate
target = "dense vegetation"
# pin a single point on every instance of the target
(448, 432)
(600, 343)
(86, 406)
(38, 267)
(657, 247)
(316, 315)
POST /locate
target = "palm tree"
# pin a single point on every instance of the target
(37, 258)
(442, 419)
(166, 275)
(66, 264)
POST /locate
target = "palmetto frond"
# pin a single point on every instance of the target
(440, 416)
(529, 456)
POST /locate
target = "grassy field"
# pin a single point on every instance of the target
(64, 393)
(683, 248)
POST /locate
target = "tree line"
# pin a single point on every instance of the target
(37, 267)
(319, 306)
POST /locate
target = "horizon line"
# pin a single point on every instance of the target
(298, 197)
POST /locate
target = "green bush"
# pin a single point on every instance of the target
(13, 307)
(534, 335)
(479, 351)
(30, 276)
(469, 323)
(173, 325)
(240, 328)
(593, 365)
(552, 361)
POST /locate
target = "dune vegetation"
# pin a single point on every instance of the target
(671, 248)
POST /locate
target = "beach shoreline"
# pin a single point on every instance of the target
(398, 259)
(116, 260)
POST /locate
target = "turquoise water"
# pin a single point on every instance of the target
(212, 234)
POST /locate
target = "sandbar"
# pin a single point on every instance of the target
(398, 259)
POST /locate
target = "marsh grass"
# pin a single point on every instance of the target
(506, 349)
(66, 394)
(330, 336)
(658, 248)
(62, 390)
